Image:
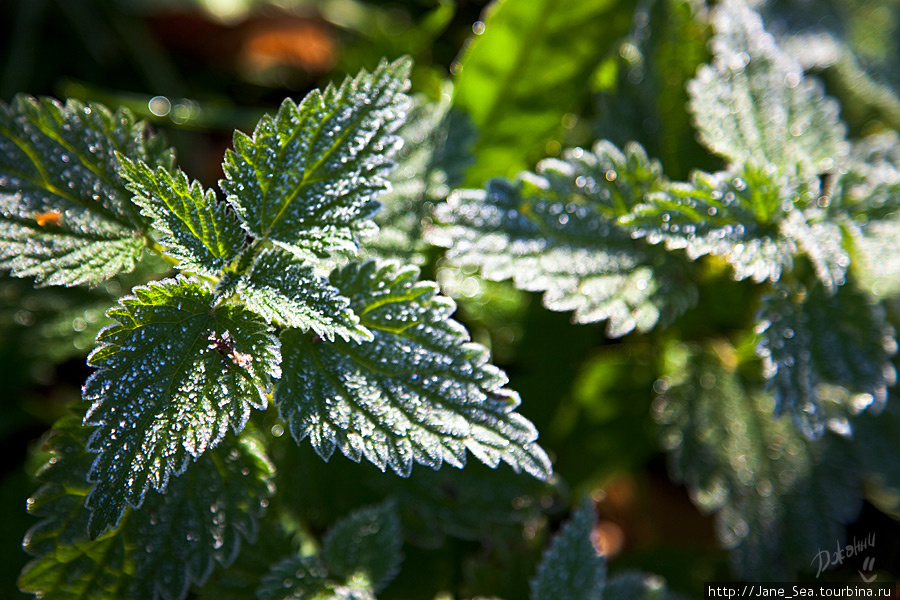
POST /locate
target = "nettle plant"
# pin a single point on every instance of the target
(289, 294)
(162, 472)
(777, 428)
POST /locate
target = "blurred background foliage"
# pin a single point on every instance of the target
(533, 77)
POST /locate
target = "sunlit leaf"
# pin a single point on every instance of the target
(197, 229)
(419, 392)
(283, 291)
(307, 178)
(754, 221)
(526, 70)
(435, 154)
(754, 103)
(175, 373)
(65, 215)
(557, 232)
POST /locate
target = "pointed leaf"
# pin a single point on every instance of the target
(869, 194)
(303, 577)
(65, 215)
(778, 497)
(419, 392)
(366, 545)
(572, 569)
(526, 70)
(282, 290)
(158, 552)
(754, 221)
(557, 232)
(307, 178)
(810, 339)
(196, 228)
(174, 375)
(306, 578)
(754, 104)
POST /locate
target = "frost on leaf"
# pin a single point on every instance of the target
(283, 291)
(307, 178)
(571, 569)
(420, 391)
(868, 194)
(197, 230)
(753, 104)
(557, 232)
(756, 221)
(435, 154)
(174, 542)
(778, 497)
(307, 578)
(174, 375)
(360, 555)
(810, 339)
(65, 214)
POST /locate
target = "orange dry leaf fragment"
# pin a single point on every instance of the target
(51, 217)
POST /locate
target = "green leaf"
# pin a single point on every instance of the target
(810, 338)
(759, 224)
(778, 497)
(571, 569)
(366, 545)
(530, 67)
(307, 179)
(753, 104)
(65, 214)
(159, 552)
(56, 324)
(436, 151)
(306, 578)
(283, 291)
(419, 392)
(197, 230)
(175, 373)
(303, 577)
(867, 196)
(360, 555)
(557, 232)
